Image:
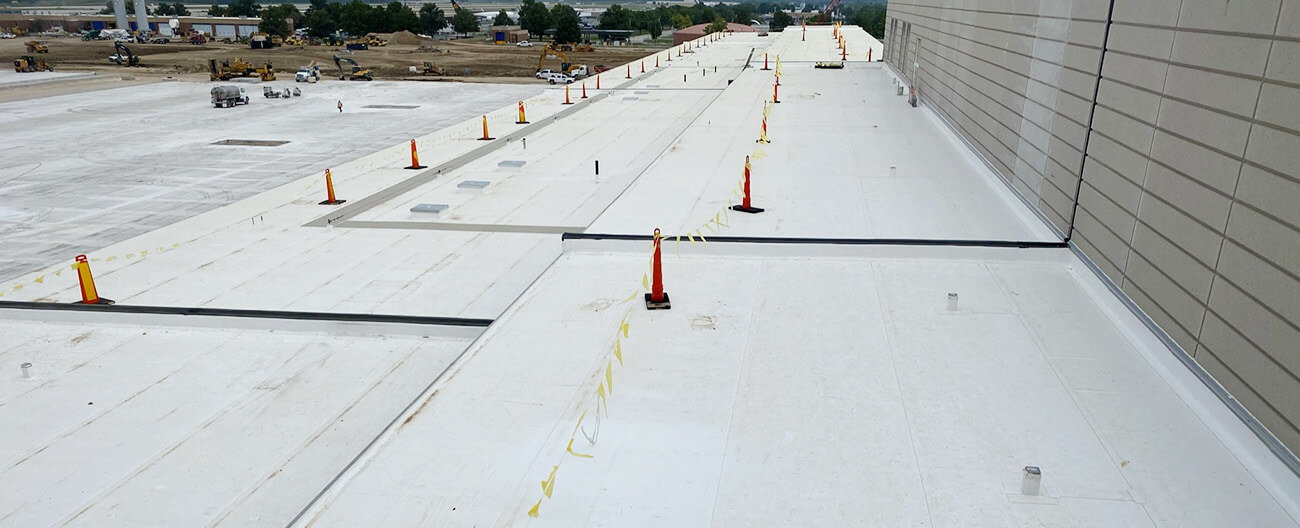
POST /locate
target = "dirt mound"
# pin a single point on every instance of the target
(405, 38)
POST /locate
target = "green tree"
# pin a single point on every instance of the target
(780, 20)
(616, 18)
(244, 8)
(567, 27)
(163, 9)
(432, 19)
(534, 17)
(354, 18)
(274, 19)
(178, 9)
(401, 18)
(464, 22)
(503, 19)
(743, 13)
(322, 18)
(680, 21)
(719, 24)
(653, 28)
(214, 10)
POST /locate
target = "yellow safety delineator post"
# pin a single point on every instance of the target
(415, 158)
(329, 191)
(88, 293)
(522, 120)
(485, 137)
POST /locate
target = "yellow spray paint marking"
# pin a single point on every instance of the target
(609, 376)
(532, 512)
(618, 352)
(548, 485)
(575, 453)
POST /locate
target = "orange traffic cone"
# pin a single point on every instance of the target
(415, 158)
(89, 295)
(522, 120)
(744, 206)
(485, 137)
(329, 191)
(566, 95)
(656, 298)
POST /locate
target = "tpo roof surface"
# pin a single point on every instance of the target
(813, 382)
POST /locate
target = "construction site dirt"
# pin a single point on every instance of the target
(462, 60)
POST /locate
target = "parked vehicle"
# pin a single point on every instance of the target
(228, 96)
(541, 74)
(524, 44)
(307, 75)
(558, 77)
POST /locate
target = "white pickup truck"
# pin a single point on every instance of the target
(307, 75)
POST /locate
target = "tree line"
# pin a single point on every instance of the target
(326, 17)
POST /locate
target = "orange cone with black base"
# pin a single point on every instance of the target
(775, 89)
(485, 137)
(656, 298)
(566, 95)
(415, 158)
(329, 191)
(745, 206)
(642, 66)
(765, 68)
(629, 71)
(522, 120)
(89, 295)
(584, 90)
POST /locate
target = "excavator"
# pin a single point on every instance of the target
(124, 55)
(29, 63)
(356, 74)
(566, 64)
(228, 70)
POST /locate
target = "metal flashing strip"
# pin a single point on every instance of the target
(278, 320)
(1019, 244)
(1274, 445)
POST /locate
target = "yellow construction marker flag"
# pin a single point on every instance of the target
(690, 238)
(600, 391)
(645, 281)
(40, 279)
(143, 252)
(532, 512)
(130, 255)
(717, 219)
(575, 453)
(18, 287)
(629, 298)
(623, 327)
(58, 272)
(110, 258)
(609, 376)
(701, 235)
(618, 352)
(548, 485)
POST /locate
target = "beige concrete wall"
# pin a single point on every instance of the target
(1190, 196)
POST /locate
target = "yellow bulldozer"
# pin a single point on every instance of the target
(36, 46)
(29, 63)
(228, 70)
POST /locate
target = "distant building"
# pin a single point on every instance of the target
(698, 30)
(220, 27)
(508, 34)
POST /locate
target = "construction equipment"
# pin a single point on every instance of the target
(36, 46)
(123, 55)
(830, 8)
(198, 39)
(276, 93)
(228, 96)
(294, 40)
(356, 74)
(90, 35)
(307, 74)
(431, 69)
(829, 65)
(29, 63)
(228, 70)
(260, 41)
(566, 64)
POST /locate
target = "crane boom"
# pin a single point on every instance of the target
(830, 8)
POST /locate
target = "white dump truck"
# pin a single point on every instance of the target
(228, 96)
